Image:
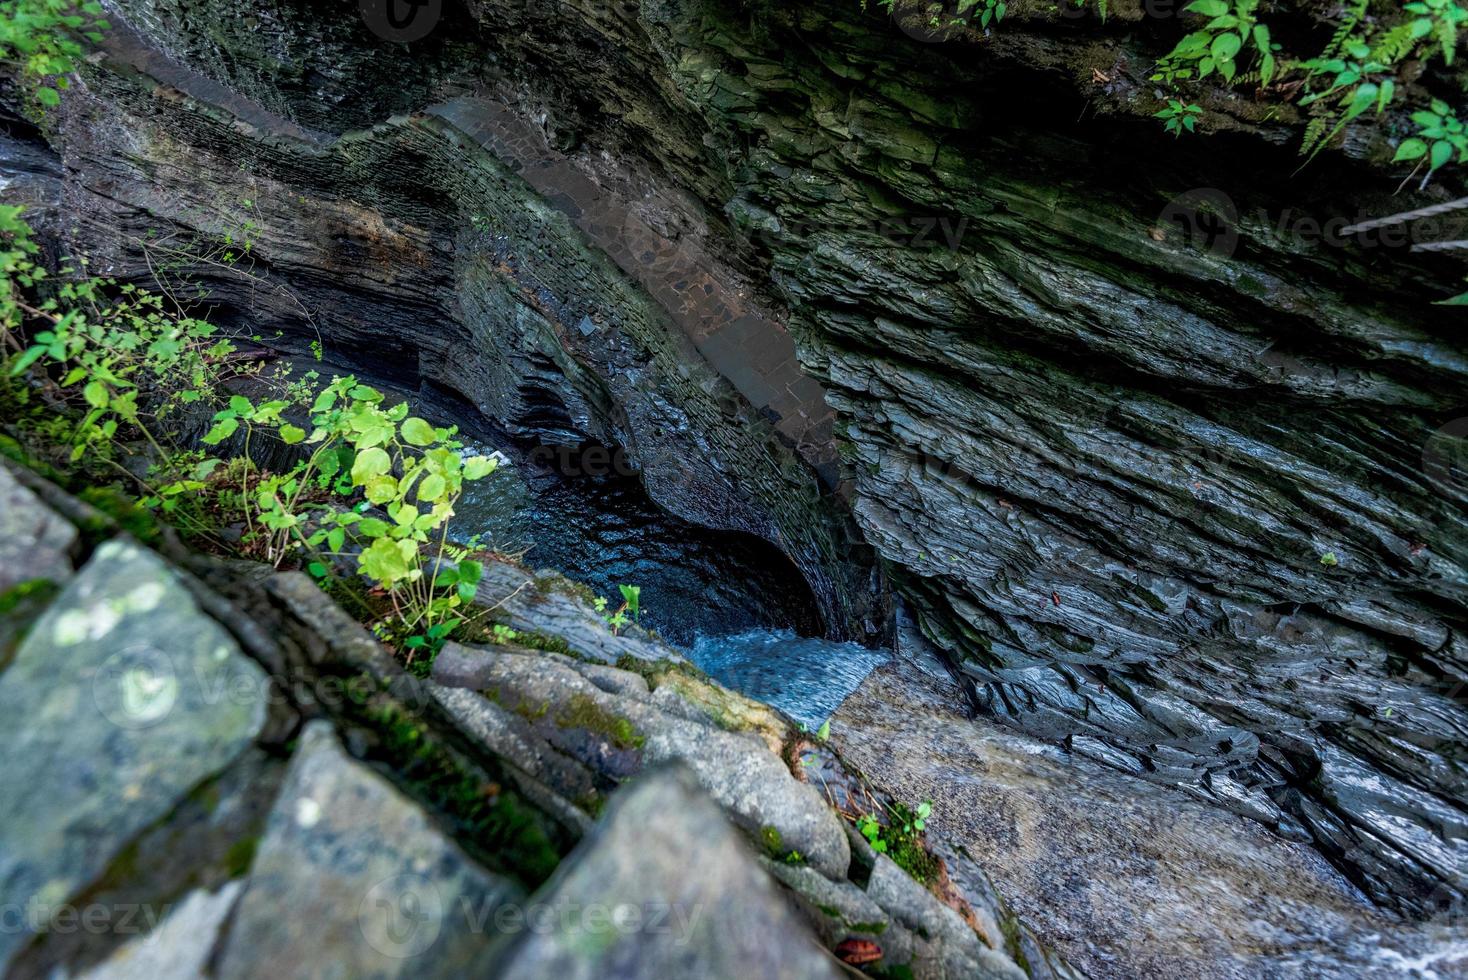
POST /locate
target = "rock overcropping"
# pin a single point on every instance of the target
(1181, 496)
(223, 772)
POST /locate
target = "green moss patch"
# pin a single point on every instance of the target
(583, 712)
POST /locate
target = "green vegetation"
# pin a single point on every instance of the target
(582, 711)
(1439, 133)
(1232, 31)
(629, 611)
(100, 375)
(1178, 117)
(509, 832)
(44, 39)
(900, 838)
(1363, 67)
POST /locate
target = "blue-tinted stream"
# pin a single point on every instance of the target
(733, 603)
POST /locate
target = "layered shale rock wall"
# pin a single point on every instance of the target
(1180, 495)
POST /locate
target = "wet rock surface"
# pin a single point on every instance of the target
(1123, 877)
(122, 698)
(372, 886)
(269, 786)
(1184, 506)
(35, 544)
(1176, 503)
(445, 271)
(727, 920)
(591, 719)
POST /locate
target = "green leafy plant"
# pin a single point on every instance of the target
(1435, 20)
(1177, 117)
(869, 827)
(1360, 66)
(1232, 30)
(44, 40)
(1439, 134)
(629, 611)
(373, 486)
(632, 596)
(992, 10)
(900, 837)
(1351, 92)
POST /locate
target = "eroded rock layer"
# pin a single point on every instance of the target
(1179, 495)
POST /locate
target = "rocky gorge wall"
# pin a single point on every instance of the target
(1183, 502)
(226, 775)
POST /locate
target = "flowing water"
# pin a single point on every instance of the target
(736, 605)
(805, 677)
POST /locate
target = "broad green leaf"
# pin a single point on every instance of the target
(417, 432)
(372, 527)
(1224, 47)
(1442, 152)
(369, 463)
(96, 394)
(290, 434)
(1411, 149)
(221, 431)
(381, 489)
(432, 488)
(478, 467)
(31, 355)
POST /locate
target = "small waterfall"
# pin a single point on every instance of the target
(804, 677)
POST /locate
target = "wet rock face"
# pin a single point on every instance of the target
(223, 772)
(1126, 878)
(1160, 493)
(415, 251)
(1183, 500)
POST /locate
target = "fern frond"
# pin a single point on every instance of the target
(1314, 136)
(1343, 32)
(1395, 44)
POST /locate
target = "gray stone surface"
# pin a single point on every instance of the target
(179, 948)
(35, 542)
(353, 879)
(951, 947)
(1120, 876)
(576, 718)
(681, 896)
(122, 698)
